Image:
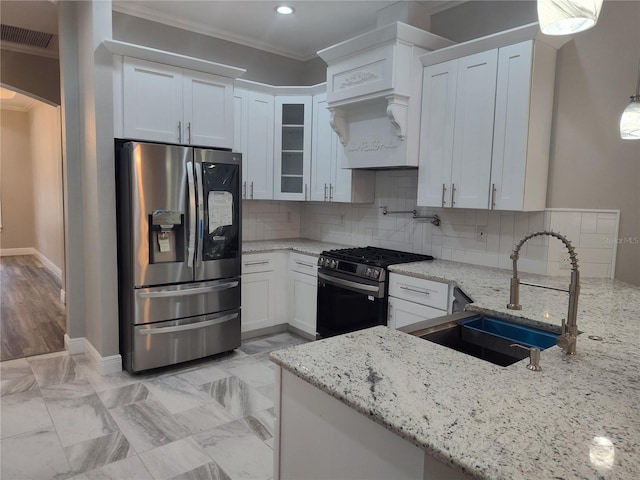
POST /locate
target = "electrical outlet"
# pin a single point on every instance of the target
(481, 233)
(565, 261)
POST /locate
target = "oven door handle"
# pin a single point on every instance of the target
(348, 284)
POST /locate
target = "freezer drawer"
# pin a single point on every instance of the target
(187, 300)
(167, 343)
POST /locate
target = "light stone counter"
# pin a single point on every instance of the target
(300, 245)
(490, 421)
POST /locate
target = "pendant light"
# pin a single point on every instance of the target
(630, 121)
(563, 17)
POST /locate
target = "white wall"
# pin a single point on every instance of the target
(592, 233)
(261, 66)
(46, 160)
(18, 228)
(37, 75)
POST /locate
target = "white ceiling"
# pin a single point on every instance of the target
(316, 24)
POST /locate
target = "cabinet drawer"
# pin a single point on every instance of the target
(418, 290)
(403, 313)
(258, 263)
(301, 263)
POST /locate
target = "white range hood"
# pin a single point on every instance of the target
(374, 86)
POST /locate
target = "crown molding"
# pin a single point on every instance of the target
(196, 27)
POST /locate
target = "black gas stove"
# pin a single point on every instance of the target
(352, 287)
(366, 262)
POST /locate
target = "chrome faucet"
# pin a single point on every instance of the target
(567, 340)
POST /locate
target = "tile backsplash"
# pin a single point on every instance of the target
(480, 237)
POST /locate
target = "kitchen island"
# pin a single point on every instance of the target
(577, 418)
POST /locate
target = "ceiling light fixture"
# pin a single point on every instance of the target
(563, 17)
(630, 120)
(285, 10)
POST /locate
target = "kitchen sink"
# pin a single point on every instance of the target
(489, 339)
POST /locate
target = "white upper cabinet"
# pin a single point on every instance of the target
(522, 131)
(436, 135)
(329, 181)
(473, 131)
(292, 147)
(486, 122)
(208, 109)
(254, 138)
(170, 104)
(457, 132)
(152, 101)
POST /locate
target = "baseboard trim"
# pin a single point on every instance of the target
(74, 346)
(12, 252)
(301, 333)
(104, 365)
(259, 332)
(49, 265)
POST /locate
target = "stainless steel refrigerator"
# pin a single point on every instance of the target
(179, 248)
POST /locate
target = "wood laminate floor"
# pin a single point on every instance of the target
(32, 318)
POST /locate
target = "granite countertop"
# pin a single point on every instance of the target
(491, 421)
(300, 245)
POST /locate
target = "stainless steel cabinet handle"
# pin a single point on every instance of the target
(310, 265)
(249, 264)
(251, 190)
(305, 191)
(424, 292)
(325, 192)
(493, 196)
(444, 189)
(189, 133)
(179, 131)
(453, 194)
(188, 291)
(190, 326)
(191, 187)
(330, 192)
(244, 189)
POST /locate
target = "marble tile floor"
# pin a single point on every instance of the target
(213, 420)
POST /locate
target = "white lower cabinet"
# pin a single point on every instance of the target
(279, 288)
(262, 290)
(413, 300)
(303, 292)
(357, 447)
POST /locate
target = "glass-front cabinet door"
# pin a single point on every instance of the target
(292, 147)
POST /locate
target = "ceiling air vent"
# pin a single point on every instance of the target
(25, 36)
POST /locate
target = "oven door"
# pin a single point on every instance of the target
(347, 304)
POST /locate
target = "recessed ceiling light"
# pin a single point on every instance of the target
(285, 10)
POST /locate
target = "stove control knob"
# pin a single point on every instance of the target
(333, 264)
(321, 262)
(375, 273)
(368, 272)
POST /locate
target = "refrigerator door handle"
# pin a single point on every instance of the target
(200, 196)
(188, 291)
(190, 326)
(191, 246)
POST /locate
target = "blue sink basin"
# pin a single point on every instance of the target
(527, 336)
